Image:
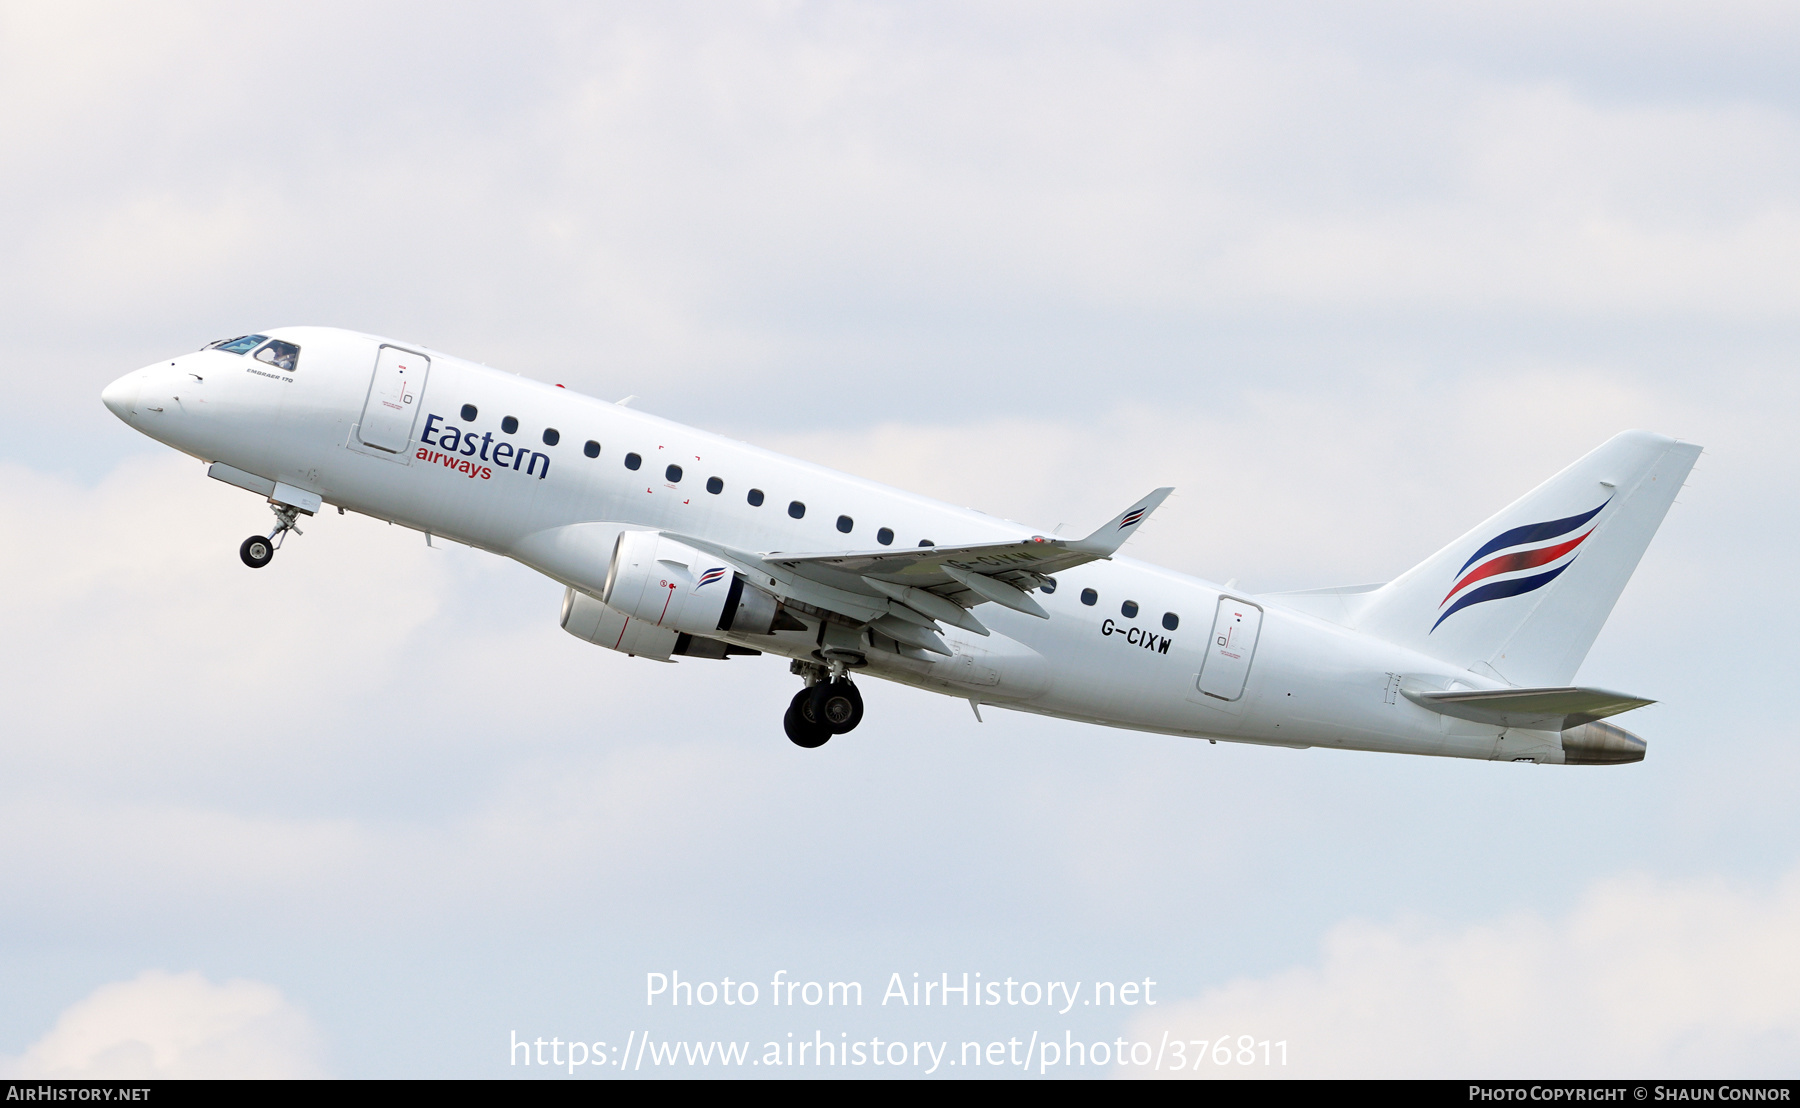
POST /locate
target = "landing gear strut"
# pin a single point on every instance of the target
(257, 551)
(829, 705)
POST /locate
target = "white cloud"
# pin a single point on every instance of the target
(697, 194)
(169, 1025)
(1677, 978)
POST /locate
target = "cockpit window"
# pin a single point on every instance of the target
(242, 345)
(282, 355)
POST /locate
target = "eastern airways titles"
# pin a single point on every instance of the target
(450, 439)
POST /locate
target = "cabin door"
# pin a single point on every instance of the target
(393, 404)
(1229, 651)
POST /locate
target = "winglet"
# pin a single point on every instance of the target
(1113, 534)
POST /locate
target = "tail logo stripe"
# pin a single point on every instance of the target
(1533, 532)
(1514, 562)
(1500, 590)
(1533, 536)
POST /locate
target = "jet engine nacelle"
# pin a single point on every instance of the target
(666, 583)
(589, 620)
(671, 585)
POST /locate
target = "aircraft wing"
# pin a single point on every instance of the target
(1019, 561)
(1556, 709)
(1001, 572)
(924, 567)
(905, 592)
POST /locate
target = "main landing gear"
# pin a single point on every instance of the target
(828, 705)
(257, 551)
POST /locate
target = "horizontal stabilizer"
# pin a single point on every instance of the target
(1532, 709)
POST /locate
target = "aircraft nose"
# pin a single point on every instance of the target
(120, 396)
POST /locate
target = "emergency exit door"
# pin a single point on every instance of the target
(393, 404)
(1229, 651)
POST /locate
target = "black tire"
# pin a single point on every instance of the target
(836, 705)
(802, 730)
(855, 715)
(802, 704)
(256, 551)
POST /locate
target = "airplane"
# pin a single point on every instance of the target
(676, 543)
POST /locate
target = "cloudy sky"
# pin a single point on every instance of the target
(1350, 278)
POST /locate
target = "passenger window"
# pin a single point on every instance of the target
(796, 509)
(1128, 609)
(885, 536)
(673, 473)
(845, 523)
(242, 345)
(755, 498)
(1048, 586)
(632, 461)
(282, 355)
(592, 449)
(468, 413)
(1171, 621)
(926, 542)
(551, 436)
(715, 486)
(509, 425)
(1089, 597)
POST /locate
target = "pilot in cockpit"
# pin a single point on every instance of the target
(281, 355)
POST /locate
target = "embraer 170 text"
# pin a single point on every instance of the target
(672, 542)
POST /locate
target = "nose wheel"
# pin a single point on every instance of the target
(258, 551)
(826, 707)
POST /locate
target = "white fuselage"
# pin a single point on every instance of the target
(1310, 682)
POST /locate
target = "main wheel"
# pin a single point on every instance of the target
(837, 705)
(256, 551)
(801, 726)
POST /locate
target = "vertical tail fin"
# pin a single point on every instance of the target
(1523, 595)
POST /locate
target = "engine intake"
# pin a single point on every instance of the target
(589, 620)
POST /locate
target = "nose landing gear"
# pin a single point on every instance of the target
(257, 551)
(829, 705)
